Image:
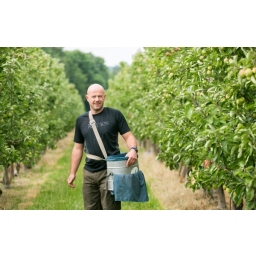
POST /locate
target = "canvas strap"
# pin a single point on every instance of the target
(98, 138)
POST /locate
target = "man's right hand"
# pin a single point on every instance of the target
(70, 180)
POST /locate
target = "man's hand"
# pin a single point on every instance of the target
(132, 157)
(70, 180)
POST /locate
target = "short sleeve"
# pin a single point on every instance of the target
(78, 138)
(122, 124)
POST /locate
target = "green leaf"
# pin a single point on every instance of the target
(189, 112)
(224, 146)
(253, 79)
(233, 149)
(250, 194)
(208, 144)
(248, 182)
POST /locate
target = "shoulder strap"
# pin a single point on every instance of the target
(92, 123)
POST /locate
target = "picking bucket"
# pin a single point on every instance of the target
(117, 165)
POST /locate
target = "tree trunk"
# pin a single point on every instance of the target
(6, 180)
(221, 199)
(180, 167)
(11, 172)
(187, 173)
(237, 207)
(184, 172)
(18, 168)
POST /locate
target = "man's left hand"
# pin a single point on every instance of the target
(132, 157)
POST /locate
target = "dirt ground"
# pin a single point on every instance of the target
(26, 186)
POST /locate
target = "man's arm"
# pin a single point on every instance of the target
(131, 142)
(76, 157)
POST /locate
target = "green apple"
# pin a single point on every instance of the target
(229, 190)
(240, 126)
(248, 72)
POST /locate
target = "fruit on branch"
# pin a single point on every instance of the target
(167, 53)
(248, 72)
(229, 190)
(241, 73)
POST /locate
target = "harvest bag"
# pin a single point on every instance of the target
(130, 187)
(115, 164)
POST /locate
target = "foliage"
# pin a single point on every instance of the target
(82, 69)
(195, 105)
(37, 104)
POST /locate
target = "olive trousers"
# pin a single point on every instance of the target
(96, 197)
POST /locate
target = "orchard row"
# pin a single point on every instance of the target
(37, 104)
(196, 104)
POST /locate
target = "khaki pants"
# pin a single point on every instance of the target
(94, 193)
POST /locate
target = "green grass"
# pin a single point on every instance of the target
(55, 194)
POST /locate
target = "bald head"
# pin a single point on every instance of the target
(96, 97)
(95, 88)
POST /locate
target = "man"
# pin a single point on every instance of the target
(109, 122)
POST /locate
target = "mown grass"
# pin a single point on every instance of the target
(55, 194)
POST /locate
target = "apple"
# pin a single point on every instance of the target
(226, 60)
(170, 75)
(201, 57)
(240, 126)
(215, 186)
(210, 67)
(198, 93)
(248, 72)
(227, 96)
(229, 190)
(241, 73)
(209, 72)
(167, 53)
(176, 48)
(241, 100)
(224, 187)
(254, 69)
(203, 51)
(172, 51)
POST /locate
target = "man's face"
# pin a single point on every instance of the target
(96, 98)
